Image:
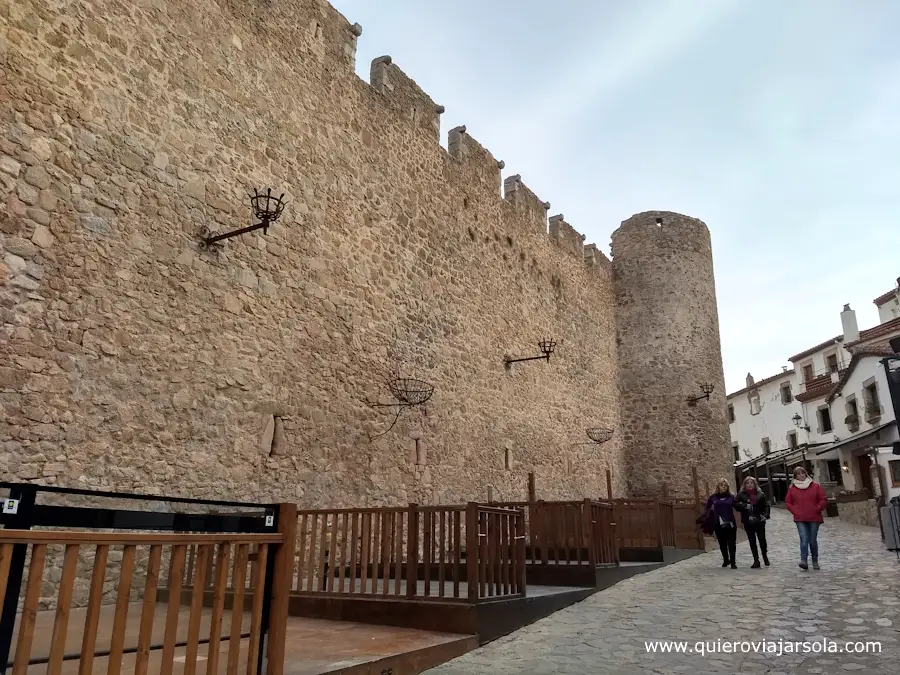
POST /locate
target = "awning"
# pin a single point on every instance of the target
(860, 440)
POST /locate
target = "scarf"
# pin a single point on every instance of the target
(802, 484)
(752, 494)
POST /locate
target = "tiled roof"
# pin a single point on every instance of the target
(813, 350)
(761, 383)
(887, 297)
(881, 330)
(858, 356)
(816, 388)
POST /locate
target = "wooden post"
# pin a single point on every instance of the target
(490, 494)
(281, 588)
(609, 494)
(412, 551)
(532, 489)
(590, 531)
(665, 491)
(696, 482)
(472, 550)
(769, 487)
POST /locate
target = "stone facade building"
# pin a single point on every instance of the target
(131, 358)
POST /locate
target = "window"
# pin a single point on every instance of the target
(895, 472)
(825, 426)
(786, 396)
(807, 372)
(852, 419)
(754, 404)
(792, 440)
(873, 405)
(730, 414)
(766, 446)
(737, 452)
(832, 363)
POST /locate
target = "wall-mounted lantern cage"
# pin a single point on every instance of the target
(597, 435)
(265, 206)
(407, 392)
(547, 347)
(798, 422)
(707, 389)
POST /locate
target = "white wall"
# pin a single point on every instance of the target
(868, 369)
(774, 420)
(889, 310)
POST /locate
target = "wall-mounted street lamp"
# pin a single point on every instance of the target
(546, 347)
(798, 422)
(407, 392)
(707, 388)
(266, 207)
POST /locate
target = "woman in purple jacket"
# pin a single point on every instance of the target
(720, 506)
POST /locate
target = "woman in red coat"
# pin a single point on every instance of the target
(806, 500)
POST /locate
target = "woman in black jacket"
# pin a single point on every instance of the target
(753, 505)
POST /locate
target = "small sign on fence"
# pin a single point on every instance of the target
(10, 506)
(270, 521)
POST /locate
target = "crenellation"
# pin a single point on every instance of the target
(414, 106)
(475, 167)
(595, 258)
(526, 205)
(564, 235)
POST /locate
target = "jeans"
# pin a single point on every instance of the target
(757, 531)
(808, 533)
(727, 537)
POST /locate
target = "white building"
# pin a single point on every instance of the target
(833, 410)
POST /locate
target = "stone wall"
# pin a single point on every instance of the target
(859, 513)
(132, 359)
(668, 346)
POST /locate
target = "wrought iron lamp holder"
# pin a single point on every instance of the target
(798, 422)
(707, 389)
(407, 392)
(266, 207)
(599, 435)
(547, 348)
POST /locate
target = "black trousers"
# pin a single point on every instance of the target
(727, 537)
(757, 531)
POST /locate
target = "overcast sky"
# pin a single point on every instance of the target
(777, 123)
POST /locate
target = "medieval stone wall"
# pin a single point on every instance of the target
(132, 359)
(668, 346)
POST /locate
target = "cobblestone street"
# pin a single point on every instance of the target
(855, 596)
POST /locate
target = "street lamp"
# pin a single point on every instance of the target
(798, 422)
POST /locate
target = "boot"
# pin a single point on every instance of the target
(733, 565)
(803, 565)
(765, 559)
(755, 565)
(815, 564)
(725, 563)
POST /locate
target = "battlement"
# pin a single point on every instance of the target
(478, 163)
(525, 204)
(403, 95)
(564, 235)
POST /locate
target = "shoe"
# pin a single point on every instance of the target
(815, 564)
(733, 566)
(765, 559)
(803, 565)
(725, 564)
(755, 565)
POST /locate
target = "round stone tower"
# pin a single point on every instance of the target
(668, 344)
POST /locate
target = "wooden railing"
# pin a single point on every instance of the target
(687, 533)
(225, 558)
(638, 523)
(667, 522)
(568, 532)
(444, 553)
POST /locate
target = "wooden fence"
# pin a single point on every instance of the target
(638, 523)
(568, 532)
(226, 558)
(447, 553)
(667, 522)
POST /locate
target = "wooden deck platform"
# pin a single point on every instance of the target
(313, 646)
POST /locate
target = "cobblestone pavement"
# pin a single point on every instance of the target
(855, 596)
